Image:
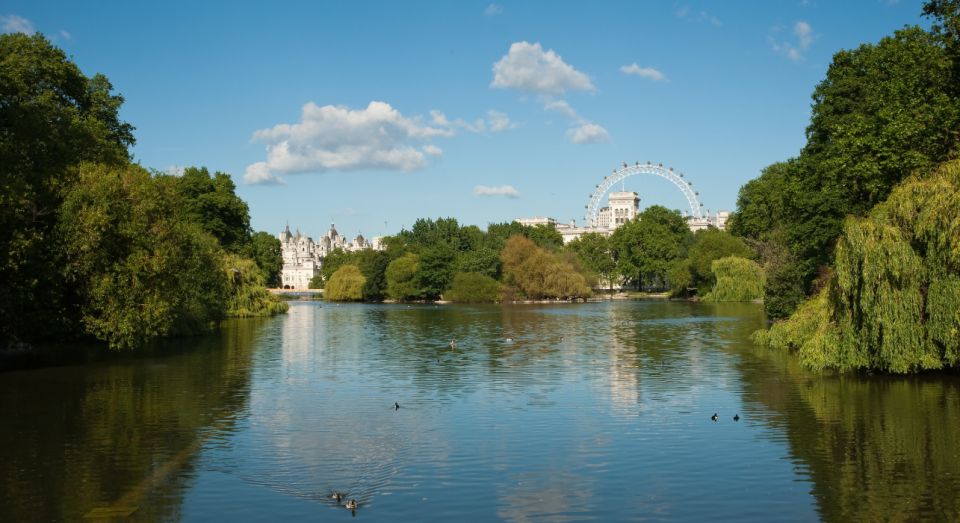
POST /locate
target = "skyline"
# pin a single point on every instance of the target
(481, 111)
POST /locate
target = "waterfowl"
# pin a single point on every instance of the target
(351, 505)
(396, 405)
(736, 417)
(337, 496)
(714, 417)
(453, 343)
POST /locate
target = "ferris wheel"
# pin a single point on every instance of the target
(626, 171)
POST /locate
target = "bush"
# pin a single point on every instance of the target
(345, 285)
(473, 287)
(247, 295)
(738, 279)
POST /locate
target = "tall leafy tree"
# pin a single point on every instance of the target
(595, 253)
(142, 268)
(646, 247)
(264, 250)
(52, 117)
(213, 201)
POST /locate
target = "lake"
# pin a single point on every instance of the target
(567, 412)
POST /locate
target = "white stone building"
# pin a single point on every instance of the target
(303, 258)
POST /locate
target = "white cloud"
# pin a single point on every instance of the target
(529, 68)
(804, 34)
(702, 16)
(502, 190)
(65, 34)
(561, 106)
(499, 122)
(432, 150)
(493, 10)
(16, 24)
(259, 174)
(588, 133)
(643, 72)
(803, 38)
(339, 138)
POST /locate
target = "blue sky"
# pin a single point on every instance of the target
(373, 114)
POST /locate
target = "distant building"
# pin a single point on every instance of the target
(621, 208)
(303, 258)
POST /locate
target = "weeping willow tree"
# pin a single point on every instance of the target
(738, 279)
(247, 295)
(893, 301)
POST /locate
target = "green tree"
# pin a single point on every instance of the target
(473, 287)
(709, 245)
(435, 270)
(264, 250)
(893, 301)
(646, 247)
(738, 279)
(215, 206)
(595, 253)
(482, 259)
(345, 285)
(401, 278)
(247, 295)
(52, 117)
(373, 265)
(142, 268)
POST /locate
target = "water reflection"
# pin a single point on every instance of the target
(118, 437)
(546, 412)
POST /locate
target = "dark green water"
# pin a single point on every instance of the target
(592, 412)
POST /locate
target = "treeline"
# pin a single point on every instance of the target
(94, 246)
(509, 261)
(840, 225)
(441, 258)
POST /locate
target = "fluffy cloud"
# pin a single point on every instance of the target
(588, 133)
(502, 190)
(340, 138)
(499, 122)
(15, 24)
(493, 10)
(529, 68)
(643, 72)
(803, 38)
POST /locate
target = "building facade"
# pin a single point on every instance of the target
(303, 257)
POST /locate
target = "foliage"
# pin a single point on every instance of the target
(646, 247)
(883, 111)
(595, 253)
(544, 236)
(52, 117)
(333, 261)
(213, 203)
(141, 268)
(265, 250)
(483, 260)
(373, 265)
(316, 282)
(538, 273)
(246, 294)
(473, 287)
(710, 245)
(345, 285)
(435, 271)
(893, 302)
(737, 279)
(401, 278)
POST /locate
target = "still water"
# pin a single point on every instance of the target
(597, 411)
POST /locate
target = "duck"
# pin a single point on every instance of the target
(736, 417)
(714, 417)
(337, 496)
(396, 405)
(453, 343)
(351, 505)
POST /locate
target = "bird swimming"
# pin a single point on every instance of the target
(453, 343)
(337, 496)
(736, 417)
(396, 405)
(714, 417)
(351, 505)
